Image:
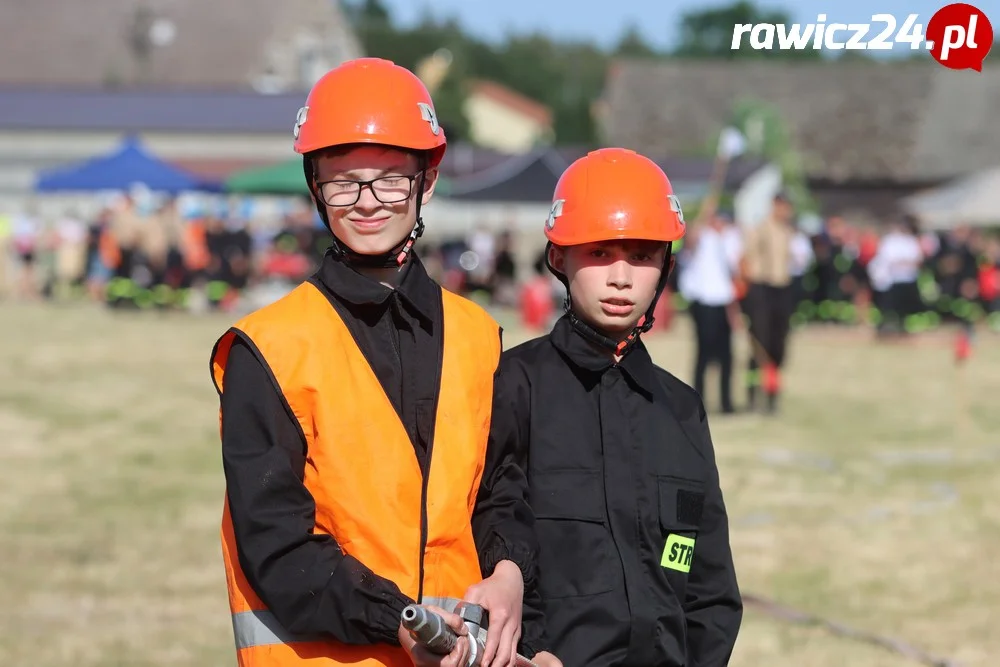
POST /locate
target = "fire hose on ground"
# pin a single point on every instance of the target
(429, 629)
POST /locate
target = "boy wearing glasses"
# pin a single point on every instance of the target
(356, 412)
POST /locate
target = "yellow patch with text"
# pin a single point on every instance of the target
(678, 552)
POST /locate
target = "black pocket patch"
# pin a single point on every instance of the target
(690, 505)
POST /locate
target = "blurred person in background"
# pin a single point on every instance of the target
(901, 256)
(880, 279)
(175, 278)
(70, 236)
(155, 240)
(767, 264)
(482, 245)
(803, 260)
(867, 248)
(711, 262)
(504, 277)
(989, 281)
(238, 259)
(96, 273)
(26, 240)
(839, 274)
(430, 255)
(355, 414)
(216, 273)
(537, 304)
(955, 270)
(122, 252)
(6, 231)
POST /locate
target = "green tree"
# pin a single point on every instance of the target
(564, 76)
(449, 102)
(366, 13)
(708, 33)
(768, 136)
(633, 45)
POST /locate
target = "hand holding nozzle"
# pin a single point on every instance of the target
(444, 633)
(428, 629)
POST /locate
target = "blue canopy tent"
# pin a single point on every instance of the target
(123, 169)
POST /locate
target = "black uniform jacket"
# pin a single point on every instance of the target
(305, 580)
(635, 566)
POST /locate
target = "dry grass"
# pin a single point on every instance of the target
(868, 501)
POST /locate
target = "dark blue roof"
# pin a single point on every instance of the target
(136, 110)
(533, 176)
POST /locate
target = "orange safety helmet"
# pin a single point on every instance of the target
(614, 193)
(370, 100)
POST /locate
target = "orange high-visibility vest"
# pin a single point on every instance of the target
(361, 467)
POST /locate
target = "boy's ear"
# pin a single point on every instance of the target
(670, 264)
(557, 258)
(430, 182)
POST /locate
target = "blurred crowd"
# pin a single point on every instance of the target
(132, 256)
(897, 278)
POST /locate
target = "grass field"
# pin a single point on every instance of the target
(871, 500)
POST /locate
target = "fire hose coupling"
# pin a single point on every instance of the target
(430, 631)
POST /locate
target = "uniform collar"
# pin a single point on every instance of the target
(416, 289)
(637, 365)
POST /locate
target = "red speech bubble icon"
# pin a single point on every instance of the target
(960, 36)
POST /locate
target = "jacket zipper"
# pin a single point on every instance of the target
(423, 525)
(428, 458)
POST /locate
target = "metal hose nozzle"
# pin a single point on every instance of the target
(428, 629)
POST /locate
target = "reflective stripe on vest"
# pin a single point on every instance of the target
(261, 628)
(362, 470)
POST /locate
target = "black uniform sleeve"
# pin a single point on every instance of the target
(533, 637)
(714, 607)
(306, 581)
(502, 523)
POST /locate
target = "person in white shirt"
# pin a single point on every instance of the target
(898, 263)
(881, 282)
(706, 282)
(802, 259)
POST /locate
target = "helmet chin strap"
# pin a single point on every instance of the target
(645, 323)
(394, 258)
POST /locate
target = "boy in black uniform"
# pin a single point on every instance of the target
(635, 566)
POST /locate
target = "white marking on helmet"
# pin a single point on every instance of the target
(300, 120)
(427, 113)
(554, 212)
(675, 206)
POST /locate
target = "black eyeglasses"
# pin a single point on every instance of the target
(387, 189)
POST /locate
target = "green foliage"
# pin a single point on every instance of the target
(709, 34)
(767, 136)
(566, 76)
(449, 100)
(632, 45)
